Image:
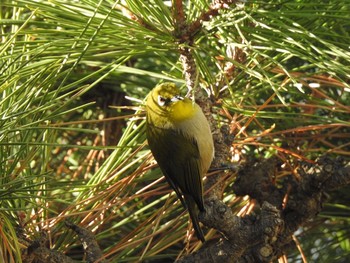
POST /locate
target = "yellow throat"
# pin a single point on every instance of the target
(182, 110)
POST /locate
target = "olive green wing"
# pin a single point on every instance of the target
(179, 159)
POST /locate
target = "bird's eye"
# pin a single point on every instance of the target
(163, 101)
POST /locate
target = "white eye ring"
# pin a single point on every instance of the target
(162, 101)
(165, 101)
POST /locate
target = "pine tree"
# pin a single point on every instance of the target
(273, 80)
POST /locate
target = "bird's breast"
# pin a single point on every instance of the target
(198, 128)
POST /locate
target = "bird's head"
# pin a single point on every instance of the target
(165, 101)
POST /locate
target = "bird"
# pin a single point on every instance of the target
(181, 142)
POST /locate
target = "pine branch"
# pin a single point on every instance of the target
(185, 34)
(264, 236)
(38, 250)
(91, 247)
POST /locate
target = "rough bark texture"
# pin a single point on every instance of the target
(264, 235)
(38, 250)
(92, 249)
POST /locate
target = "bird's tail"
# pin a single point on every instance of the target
(193, 211)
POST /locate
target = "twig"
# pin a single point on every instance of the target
(91, 247)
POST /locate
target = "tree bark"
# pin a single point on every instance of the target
(264, 235)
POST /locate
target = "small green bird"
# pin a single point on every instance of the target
(180, 139)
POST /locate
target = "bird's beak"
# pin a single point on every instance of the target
(176, 98)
